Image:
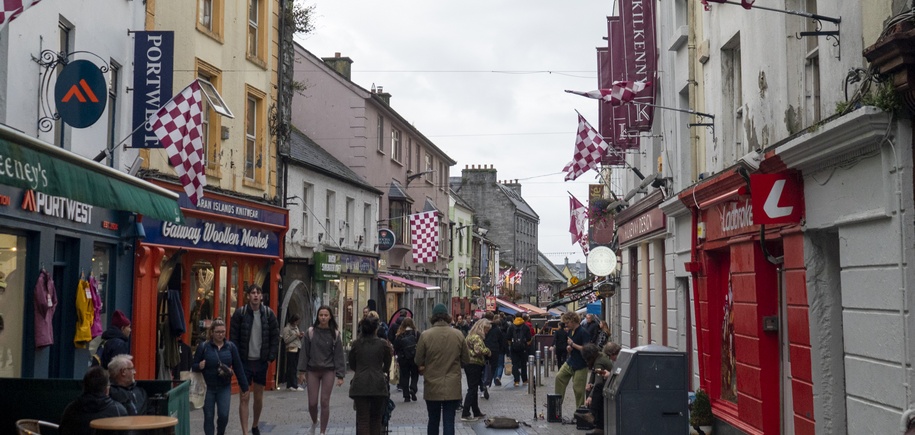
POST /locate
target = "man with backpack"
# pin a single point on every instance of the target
(518, 349)
(256, 332)
(114, 340)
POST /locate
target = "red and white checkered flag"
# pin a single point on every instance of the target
(12, 8)
(620, 92)
(178, 124)
(578, 225)
(589, 148)
(424, 230)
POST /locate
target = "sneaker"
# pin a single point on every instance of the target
(497, 382)
(486, 394)
(255, 430)
(299, 389)
(314, 427)
(469, 418)
(413, 396)
(479, 416)
(516, 383)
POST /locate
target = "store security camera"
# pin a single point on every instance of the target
(483, 231)
(751, 160)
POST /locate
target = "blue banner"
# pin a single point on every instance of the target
(153, 65)
(217, 236)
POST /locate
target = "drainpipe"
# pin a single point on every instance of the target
(903, 293)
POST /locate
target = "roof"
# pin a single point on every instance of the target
(555, 274)
(519, 202)
(306, 152)
(396, 191)
(460, 201)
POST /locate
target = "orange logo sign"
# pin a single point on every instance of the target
(74, 92)
(28, 203)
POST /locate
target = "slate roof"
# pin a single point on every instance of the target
(306, 152)
(460, 201)
(518, 201)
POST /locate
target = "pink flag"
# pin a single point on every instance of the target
(178, 126)
(747, 4)
(621, 92)
(589, 149)
(424, 231)
(577, 224)
(10, 9)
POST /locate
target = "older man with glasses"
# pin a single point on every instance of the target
(124, 389)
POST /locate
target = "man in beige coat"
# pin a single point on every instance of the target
(439, 356)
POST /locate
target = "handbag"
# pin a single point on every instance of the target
(394, 373)
(222, 370)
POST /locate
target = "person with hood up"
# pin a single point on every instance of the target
(94, 403)
(115, 339)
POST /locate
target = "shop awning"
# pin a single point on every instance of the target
(408, 282)
(509, 307)
(533, 309)
(28, 163)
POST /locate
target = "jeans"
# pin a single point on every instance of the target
(578, 377)
(409, 378)
(472, 400)
(500, 366)
(217, 399)
(441, 411)
(519, 365)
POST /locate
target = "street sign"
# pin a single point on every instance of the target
(573, 280)
(81, 93)
(386, 239)
(777, 198)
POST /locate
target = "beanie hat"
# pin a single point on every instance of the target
(439, 309)
(119, 319)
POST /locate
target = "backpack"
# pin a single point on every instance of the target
(519, 344)
(408, 346)
(96, 360)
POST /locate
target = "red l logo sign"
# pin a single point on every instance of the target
(777, 198)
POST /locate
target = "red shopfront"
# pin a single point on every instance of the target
(225, 244)
(752, 319)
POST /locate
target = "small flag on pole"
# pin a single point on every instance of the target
(177, 124)
(621, 92)
(10, 9)
(589, 149)
(578, 223)
(747, 4)
(424, 231)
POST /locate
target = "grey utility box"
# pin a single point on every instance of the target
(647, 392)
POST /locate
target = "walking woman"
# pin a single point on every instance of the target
(218, 359)
(292, 337)
(320, 361)
(405, 348)
(478, 354)
(370, 359)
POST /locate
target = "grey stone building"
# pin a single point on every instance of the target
(510, 221)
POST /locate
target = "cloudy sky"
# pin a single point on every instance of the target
(484, 80)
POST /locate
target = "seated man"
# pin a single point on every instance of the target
(92, 404)
(124, 389)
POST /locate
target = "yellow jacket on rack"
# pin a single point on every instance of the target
(85, 315)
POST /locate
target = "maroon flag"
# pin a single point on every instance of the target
(424, 231)
(589, 148)
(620, 93)
(578, 226)
(747, 4)
(10, 9)
(178, 124)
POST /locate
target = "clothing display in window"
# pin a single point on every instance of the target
(45, 305)
(97, 307)
(85, 315)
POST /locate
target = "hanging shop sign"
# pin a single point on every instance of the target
(601, 261)
(81, 93)
(153, 65)
(219, 236)
(331, 265)
(777, 198)
(645, 224)
(386, 240)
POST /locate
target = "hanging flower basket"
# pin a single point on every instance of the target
(597, 210)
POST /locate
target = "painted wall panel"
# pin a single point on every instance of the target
(877, 335)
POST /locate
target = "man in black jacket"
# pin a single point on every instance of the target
(124, 389)
(92, 404)
(256, 332)
(496, 343)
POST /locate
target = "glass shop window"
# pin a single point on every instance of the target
(202, 299)
(12, 300)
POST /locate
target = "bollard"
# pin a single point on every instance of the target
(548, 350)
(530, 373)
(539, 365)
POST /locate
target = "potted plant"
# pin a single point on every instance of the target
(700, 414)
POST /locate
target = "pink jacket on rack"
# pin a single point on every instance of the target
(45, 305)
(97, 304)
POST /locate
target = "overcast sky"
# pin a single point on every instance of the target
(484, 81)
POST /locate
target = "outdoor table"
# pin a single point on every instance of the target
(135, 425)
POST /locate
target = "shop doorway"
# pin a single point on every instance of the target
(63, 270)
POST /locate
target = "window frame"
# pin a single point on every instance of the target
(215, 29)
(259, 151)
(379, 132)
(396, 145)
(212, 147)
(258, 56)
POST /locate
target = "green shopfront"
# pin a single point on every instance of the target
(74, 219)
(344, 282)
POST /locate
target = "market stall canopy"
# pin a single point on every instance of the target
(533, 309)
(408, 282)
(28, 163)
(509, 307)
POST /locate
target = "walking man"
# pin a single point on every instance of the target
(254, 329)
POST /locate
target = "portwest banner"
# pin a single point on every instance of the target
(153, 66)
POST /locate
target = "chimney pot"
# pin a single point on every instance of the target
(337, 54)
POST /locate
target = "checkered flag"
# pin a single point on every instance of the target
(620, 92)
(589, 148)
(10, 9)
(578, 225)
(178, 126)
(424, 231)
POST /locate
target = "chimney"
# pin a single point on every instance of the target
(384, 96)
(342, 65)
(514, 186)
(479, 174)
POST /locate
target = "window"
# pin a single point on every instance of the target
(732, 99)
(429, 167)
(350, 215)
(212, 122)
(380, 134)
(13, 294)
(366, 221)
(256, 27)
(418, 156)
(254, 137)
(113, 83)
(442, 176)
(410, 154)
(308, 202)
(396, 150)
(812, 70)
(398, 215)
(209, 17)
(330, 200)
(444, 244)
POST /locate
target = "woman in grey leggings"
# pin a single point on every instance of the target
(320, 361)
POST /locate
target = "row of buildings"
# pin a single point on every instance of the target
(311, 182)
(792, 297)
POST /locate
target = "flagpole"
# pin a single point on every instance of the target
(791, 12)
